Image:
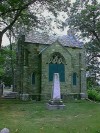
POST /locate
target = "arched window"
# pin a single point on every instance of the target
(56, 59)
(74, 78)
(56, 65)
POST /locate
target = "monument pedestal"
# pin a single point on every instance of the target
(55, 104)
(54, 107)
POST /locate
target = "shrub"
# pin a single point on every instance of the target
(98, 97)
(92, 94)
(97, 88)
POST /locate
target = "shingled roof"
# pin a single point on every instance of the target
(66, 40)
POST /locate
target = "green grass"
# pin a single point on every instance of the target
(33, 117)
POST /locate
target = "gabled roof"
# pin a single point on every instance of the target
(66, 40)
(57, 42)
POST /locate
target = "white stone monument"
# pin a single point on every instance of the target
(56, 87)
(55, 102)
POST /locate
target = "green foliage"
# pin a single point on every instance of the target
(97, 88)
(7, 79)
(91, 83)
(84, 17)
(3, 54)
(1, 71)
(94, 95)
(7, 56)
(98, 97)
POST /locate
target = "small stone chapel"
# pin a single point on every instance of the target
(39, 56)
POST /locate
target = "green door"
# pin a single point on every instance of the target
(57, 68)
(61, 71)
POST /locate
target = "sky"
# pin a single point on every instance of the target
(5, 40)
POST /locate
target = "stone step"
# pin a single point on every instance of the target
(10, 95)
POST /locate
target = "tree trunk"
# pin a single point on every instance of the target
(1, 35)
(12, 66)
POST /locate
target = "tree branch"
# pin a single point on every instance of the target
(17, 16)
(18, 13)
(8, 11)
(91, 30)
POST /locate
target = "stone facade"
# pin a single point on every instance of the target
(36, 60)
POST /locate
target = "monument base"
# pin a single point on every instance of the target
(54, 107)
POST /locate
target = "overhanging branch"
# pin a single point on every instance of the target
(17, 15)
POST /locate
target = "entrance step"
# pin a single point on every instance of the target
(10, 95)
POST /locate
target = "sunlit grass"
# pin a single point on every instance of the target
(33, 117)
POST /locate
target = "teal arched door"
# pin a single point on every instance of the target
(56, 65)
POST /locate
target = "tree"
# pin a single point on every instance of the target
(84, 17)
(15, 13)
(8, 57)
(93, 64)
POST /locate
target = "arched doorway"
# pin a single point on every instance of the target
(56, 65)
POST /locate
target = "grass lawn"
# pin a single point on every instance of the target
(33, 117)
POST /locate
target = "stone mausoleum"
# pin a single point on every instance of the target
(39, 56)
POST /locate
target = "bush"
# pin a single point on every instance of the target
(98, 98)
(92, 94)
(97, 88)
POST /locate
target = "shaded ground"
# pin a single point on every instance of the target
(33, 117)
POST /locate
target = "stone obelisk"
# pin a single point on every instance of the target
(56, 87)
